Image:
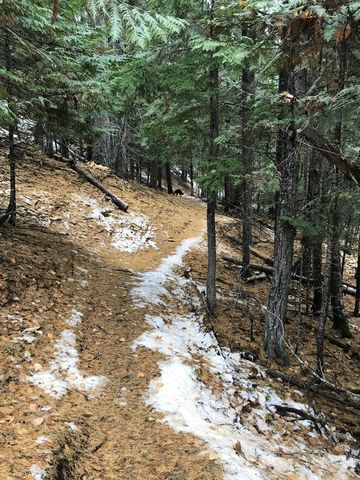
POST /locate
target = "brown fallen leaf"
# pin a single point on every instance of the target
(237, 448)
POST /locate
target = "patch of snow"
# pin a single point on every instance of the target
(27, 338)
(129, 233)
(151, 287)
(75, 318)
(72, 426)
(63, 373)
(41, 440)
(188, 405)
(28, 335)
(12, 318)
(37, 472)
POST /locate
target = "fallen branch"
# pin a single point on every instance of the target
(347, 289)
(281, 409)
(256, 278)
(254, 252)
(353, 352)
(331, 392)
(99, 445)
(331, 153)
(95, 182)
(260, 268)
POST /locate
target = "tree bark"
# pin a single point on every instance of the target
(159, 176)
(191, 177)
(213, 154)
(318, 277)
(342, 396)
(154, 174)
(10, 214)
(322, 317)
(119, 152)
(339, 319)
(287, 165)
(211, 272)
(357, 276)
(247, 141)
(313, 244)
(168, 178)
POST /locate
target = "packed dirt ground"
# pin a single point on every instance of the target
(65, 266)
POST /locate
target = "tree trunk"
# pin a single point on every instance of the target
(119, 152)
(191, 177)
(102, 143)
(357, 276)
(312, 244)
(322, 317)
(314, 198)
(154, 174)
(89, 152)
(10, 214)
(168, 178)
(318, 277)
(339, 319)
(274, 341)
(183, 173)
(211, 273)
(39, 133)
(213, 153)
(64, 149)
(159, 176)
(226, 199)
(247, 140)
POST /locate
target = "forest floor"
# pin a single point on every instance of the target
(108, 366)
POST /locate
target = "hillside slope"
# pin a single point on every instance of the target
(107, 368)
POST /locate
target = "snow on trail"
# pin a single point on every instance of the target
(129, 233)
(37, 472)
(64, 373)
(151, 287)
(249, 449)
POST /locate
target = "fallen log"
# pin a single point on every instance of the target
(283, 409)
(353, 352)
(73, 163)
(254, 252)
(95, 182)
(340, 395)
(261, 268)
(256, 278)
(347, 289)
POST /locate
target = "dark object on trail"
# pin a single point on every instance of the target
(178, 192)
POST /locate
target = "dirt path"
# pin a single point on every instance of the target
(72, 294)
(108, 371)
(117, 435)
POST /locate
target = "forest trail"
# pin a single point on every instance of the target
(85, 287)
(108, 373)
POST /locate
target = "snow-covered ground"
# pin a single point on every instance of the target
(63, 373)
(249, 446)
(129, 233)
(37, 472)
